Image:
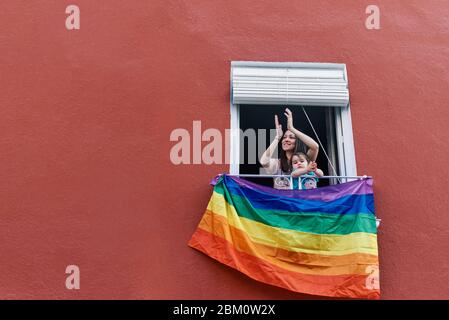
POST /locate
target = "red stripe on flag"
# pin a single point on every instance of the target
(349, 286)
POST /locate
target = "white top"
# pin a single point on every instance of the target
(278, 182)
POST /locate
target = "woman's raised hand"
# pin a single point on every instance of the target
(278, 127)
(289, 116)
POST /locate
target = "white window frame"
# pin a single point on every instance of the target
(343, 129)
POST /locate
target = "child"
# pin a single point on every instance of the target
(302, 166)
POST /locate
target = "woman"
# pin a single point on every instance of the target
(290, 142)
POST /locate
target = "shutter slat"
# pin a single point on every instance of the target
(299, 85)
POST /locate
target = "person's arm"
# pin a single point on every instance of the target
(308, 141)
(266, 159)
(299, 172)
(319, 173)
(313, 168)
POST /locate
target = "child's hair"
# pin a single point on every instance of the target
(286, 165)
(298, 154)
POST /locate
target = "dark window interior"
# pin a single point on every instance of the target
(262, 117)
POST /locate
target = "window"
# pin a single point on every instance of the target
(261, 89)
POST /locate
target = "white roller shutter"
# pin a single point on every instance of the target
(309, 84)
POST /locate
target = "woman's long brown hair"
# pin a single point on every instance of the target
(286, 165)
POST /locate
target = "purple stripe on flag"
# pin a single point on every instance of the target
(328, 193)
(214, 181)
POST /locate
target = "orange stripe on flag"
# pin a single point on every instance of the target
(352, 286)
(293, 261)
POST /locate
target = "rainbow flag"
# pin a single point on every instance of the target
(320, 242)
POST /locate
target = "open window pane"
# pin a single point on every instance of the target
(262, 117)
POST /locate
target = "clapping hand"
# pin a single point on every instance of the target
(278, 127)
(289, 116)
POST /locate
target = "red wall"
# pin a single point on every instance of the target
(85, 120)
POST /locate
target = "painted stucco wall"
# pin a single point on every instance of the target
(86, 115)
